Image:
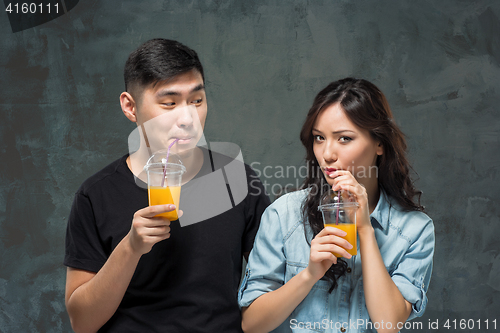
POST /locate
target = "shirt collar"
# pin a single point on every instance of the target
(380, 214)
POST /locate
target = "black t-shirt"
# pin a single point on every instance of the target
(186, 283)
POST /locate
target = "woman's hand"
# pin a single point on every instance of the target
(323, 245)
(345, 181)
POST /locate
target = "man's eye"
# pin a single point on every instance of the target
(197, 101)
(168, 104)
(345, 139)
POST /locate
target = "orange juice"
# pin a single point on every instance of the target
(350, 237)
(165, 195)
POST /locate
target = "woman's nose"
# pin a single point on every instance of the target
(329, 153)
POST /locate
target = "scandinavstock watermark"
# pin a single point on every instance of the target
(432, 325)
(279, 179)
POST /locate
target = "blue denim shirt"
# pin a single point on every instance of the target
(406, 243)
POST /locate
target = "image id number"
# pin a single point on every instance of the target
(470, 324)
(32, 8)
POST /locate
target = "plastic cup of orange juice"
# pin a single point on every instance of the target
(164, 182)
(341, 214)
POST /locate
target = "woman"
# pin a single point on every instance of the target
(293, 280)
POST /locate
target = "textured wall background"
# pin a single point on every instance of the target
(437, 62)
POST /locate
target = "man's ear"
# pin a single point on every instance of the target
(129, 106)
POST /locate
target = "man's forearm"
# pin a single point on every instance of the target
(93, 303)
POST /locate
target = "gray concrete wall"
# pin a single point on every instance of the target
(437, 62)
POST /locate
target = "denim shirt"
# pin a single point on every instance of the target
(406, 243)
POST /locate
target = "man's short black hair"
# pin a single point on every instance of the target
(159, 60)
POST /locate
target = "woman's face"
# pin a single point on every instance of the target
(340, 145)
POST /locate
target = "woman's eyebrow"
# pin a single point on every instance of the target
(335, 132)
(343, 131)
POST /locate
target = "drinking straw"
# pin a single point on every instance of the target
(338, 208)
(166, 161)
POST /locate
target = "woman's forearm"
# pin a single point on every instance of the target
(271, 309)
(383, 298)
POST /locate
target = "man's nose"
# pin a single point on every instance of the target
(185, 118)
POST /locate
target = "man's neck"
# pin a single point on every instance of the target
(192, 160)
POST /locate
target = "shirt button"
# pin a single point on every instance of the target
(349, 270)
(342, 329)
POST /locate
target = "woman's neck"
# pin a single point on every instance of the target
(373, 192)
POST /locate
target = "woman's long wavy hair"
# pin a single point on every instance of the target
(366, 107)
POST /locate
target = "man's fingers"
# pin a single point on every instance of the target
(152, 211)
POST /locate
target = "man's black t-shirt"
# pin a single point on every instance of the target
(186, 283)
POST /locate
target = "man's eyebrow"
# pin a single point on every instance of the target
(199, 87)
(167, 92)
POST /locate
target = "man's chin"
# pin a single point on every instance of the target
(186, 151)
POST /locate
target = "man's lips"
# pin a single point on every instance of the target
(183, 140)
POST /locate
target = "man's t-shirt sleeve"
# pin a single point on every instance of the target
(83, 246)
(257, 202)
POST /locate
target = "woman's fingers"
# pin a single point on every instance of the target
(318, 257)
(331, 231)
(330, 240)
(336, 249)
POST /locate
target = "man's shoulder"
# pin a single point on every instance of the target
(101, 176)
(227, 161)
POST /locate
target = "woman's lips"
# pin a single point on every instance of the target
(329, 171)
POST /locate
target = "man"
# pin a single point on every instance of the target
(131, 271)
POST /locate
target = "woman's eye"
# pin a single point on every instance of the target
(345, 139)
(318, 138)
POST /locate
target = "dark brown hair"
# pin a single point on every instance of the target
(158, 60)
(366, 106)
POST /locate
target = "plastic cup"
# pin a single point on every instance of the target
(164, 184)
(342, 215)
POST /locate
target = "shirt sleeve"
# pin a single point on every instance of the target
(83, 246)
(265, 270)
(413, 274)
(256, 204)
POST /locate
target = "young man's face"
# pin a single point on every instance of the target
(175, 109)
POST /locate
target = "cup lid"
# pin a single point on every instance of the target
(159, 159)
(336, 199)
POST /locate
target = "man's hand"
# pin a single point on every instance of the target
(148, 229)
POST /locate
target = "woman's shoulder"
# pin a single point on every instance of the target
(290, 200)
(287, 209)
(410, 222)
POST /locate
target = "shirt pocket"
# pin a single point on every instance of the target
(312, 312)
